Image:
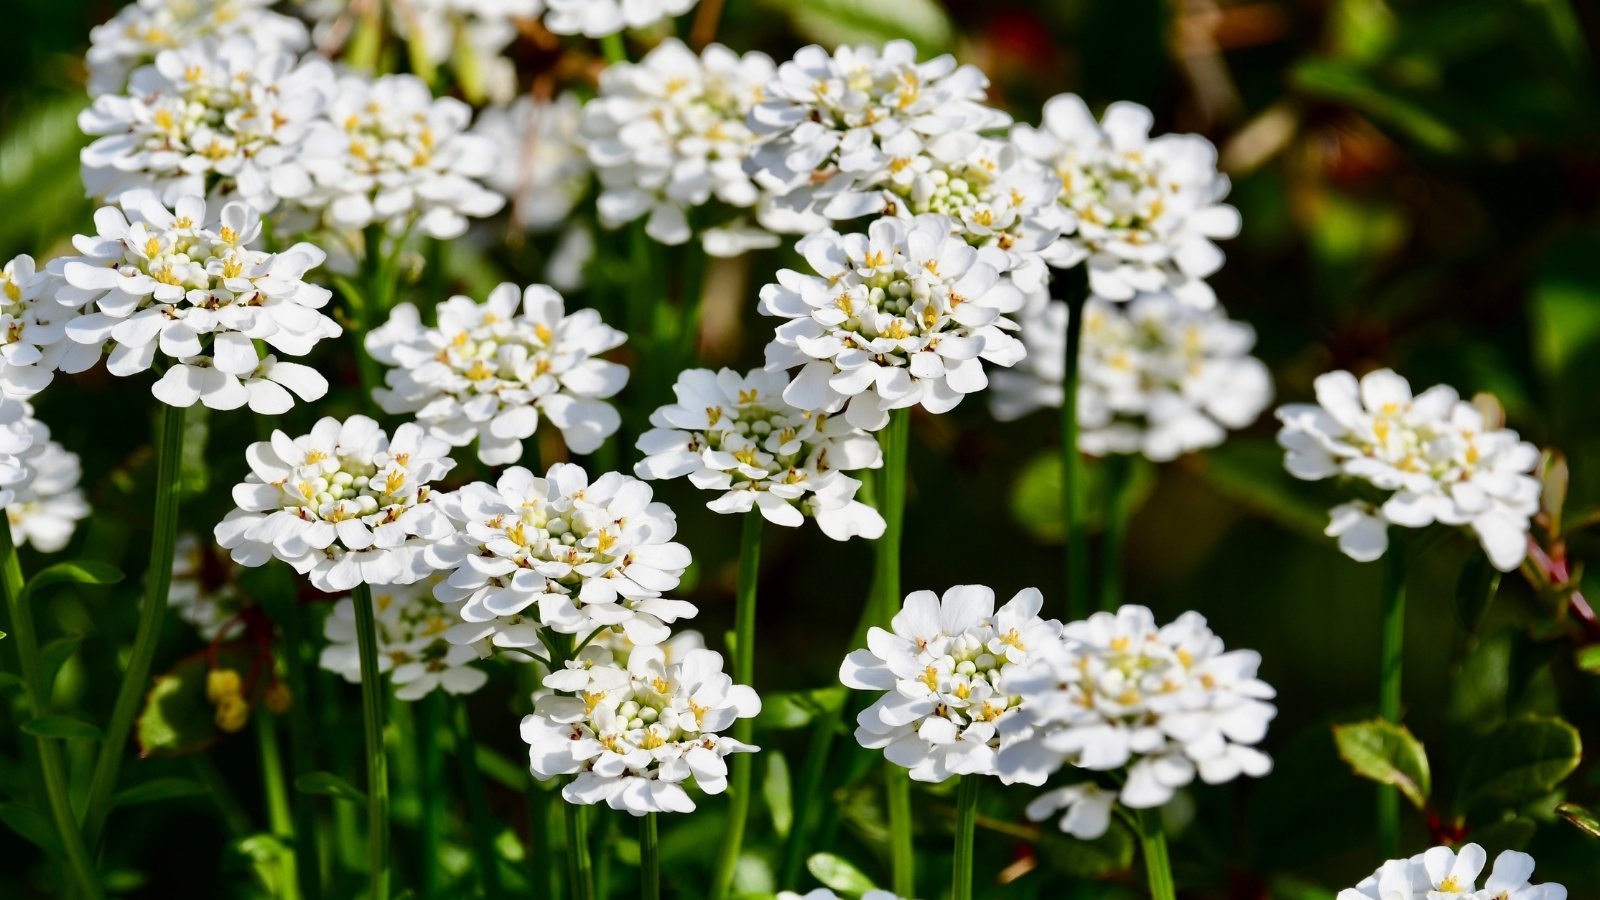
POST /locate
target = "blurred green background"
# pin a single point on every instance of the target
(1419, 186)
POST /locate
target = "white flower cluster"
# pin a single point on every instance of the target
(204, 592)
(563, 553)
(945, 670)
(33, 330)
(633, 736)
(1434, 454)
(668, 133)
(1146, 210)
(1445, 873)
(599, 18)
(23, 440)
(823, 893)
(489, 370)
(1118, 694)
(902, 315)
(343, 505)
(143, 29)
(736, 435)
(191, 287)
(44, 514)
(412, 649)
(1155, 376)
(541, 164)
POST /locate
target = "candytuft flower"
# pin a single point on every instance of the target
(1443, 872)
(542, 166)
(599, 18)
(204, 591)
(1435, 457)
(145, 28)
(23, 440)
(490, 370)
(412, 650)
(736, 435)
(45, 513)
(33, 330)
(343, 505)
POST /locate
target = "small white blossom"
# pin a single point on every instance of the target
(190, 286)
(23, 439)
(45, 514)
(412, 650)
(1155, 376)
(599, 18)
(1442, 873)
(563, 553)
(33, 330)
(632, 736)
(490, 370)
(902, 315)
(388, 152)
(343, 505)
(542, 164)
(144, 28)
(840, 123)
(213, 119)
(204, 591)
(1118, 694)
(736, 435)
(1147, 210)
(945, 669)
(1434, 456)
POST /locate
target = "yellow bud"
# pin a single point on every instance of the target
(232, 713)
(278, 697)
(222, 683)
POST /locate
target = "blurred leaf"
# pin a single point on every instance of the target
(1479, 688)
(266, 854)
(1361, 29)
(1251, 474)
(80, 571)
(1386, 752)
(836, 22)
(55, 654)
(1554, 477)
(1585, 819)
(194, 471)
(1036, 494)
(795, 709)
(1589, 659)
(1343, 82)
(62, 727)
(1475, 590)
(177, 718)
(40, 185)
(31, 826)
(1565, 308)
(1295, 889)
(1520, 761)
(1107, 854)
(775, 790)
(1511, 833)
(838, 874)
(327, 784)
(158, 789)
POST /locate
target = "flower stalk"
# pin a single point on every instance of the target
(966, 829)
(1119, 479)
(649, 859)
(743, 729)
(1157, 865)
(1073, 285)
(372, 708)
(896, 439)
(1393, 612)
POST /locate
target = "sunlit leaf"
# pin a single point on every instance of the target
(833, 22)
(775, 790)
(1386, 752)
(796, 709)
(1521, 761)
(327, 784)
(1584, 818)
(839, 874)
(79, 571)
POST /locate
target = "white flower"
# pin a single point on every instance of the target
(838, 123)
(633, 736)
(1119, 694)
(823, 893)
(599, 18)
(667, 134)
(388, 152)
(343, 504)
(45, 514)
(902, 315)
(1434, 456)
(144, 28)
(1146, 209)
(945, 669)
(1445, 874)
(204, 592)
(23, 439)
(563, 553)
(191, 287)
(1085, 809)
(736, 435)
(1155, 376)
(412, 650)
(542, 166)
(213, 119)
(489, 370)
(33, 330)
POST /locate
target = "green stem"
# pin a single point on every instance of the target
(277, 796)
(1119, 477)
(744, 655)
(1394, 630)
(478, 819)
(372, 708)
(613, 48)
(649, 859)
(158, 579)
(579, 867)
(232, 811)
(895, 440)
(966, 828)
(430, 715)
(307, 849)
(1074, 284)
(80, 866)
(902, 853)
(542, 877)
(1157, 865)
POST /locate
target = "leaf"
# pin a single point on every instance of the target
(1107, 854)
(796, 709)
(1521, 761)
(833, 22)
(1512, 833)
(1345, 83)
(1480, 687)
(839, 874)
(1565, 307)
(77, 571)
(1251, 474)
(55, 655)
(1585, 819)
(177, 719)
(63, 727)
(327, 784)
(1386, 752)
(32, 826)
(775, 790)
(1036, 495)
(1589, 659)
(158, 789)
(1475, 591)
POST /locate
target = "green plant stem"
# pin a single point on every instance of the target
(302, 759)
(276, 791)
(744, 656)
(1119, 477)
(966, 828)
(895, 440)
(479, 822)
(1389, 680)
(1157, 865)
(372, 709)
(80, 867)
(579, 867)
(649, 859)
(902, 853)
(234, 818)
(158, 579)
(1074, 285)
(542, 876)
(614, 49)
(430, 722)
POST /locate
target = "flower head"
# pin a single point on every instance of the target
(563, 553)
(412, 650)
(33, 330)
(1434, 457)
(634, 735)
(736, 435)
(945, 669)
(599, 18)
(191, 287)
(1146, 209)
(542, 164)
(145, 28)
(204, 591)
(344, 504)
(23, 440)
(902, 315)
(1445, 873)
(45, 513)
(489, 370)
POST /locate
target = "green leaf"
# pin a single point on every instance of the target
(833, 22)
(1036, 495)
(177, 718)
(1480, 688)
(63, 727)
(1386, 752)
(55, 655)
(1107, 854)
(1589, 659)
(31, 826)
(1585, 819)
(796, 709)
(839, 874)
(1349, 84)
(776, 792)
(327, 784)
(1475, 591)
(77, 571)
(1511, 833)
(158, 789)
(1565, 307)
(1519, 762)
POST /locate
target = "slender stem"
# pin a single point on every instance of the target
(1074, 285)
(307, 847)
(79, 864)
(372, 708)
(805, 799)
(966, 827)
(430, 723)
(1394, 629)
(478, 820)
(579, 867)
(902, 853)
(744, 655)
(895, 440)
(158, 578)
(541, 875)
(614, 49)
(1119, 476)
(276, 790)
(232, 811)
(649, 858)
(1157, 865)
